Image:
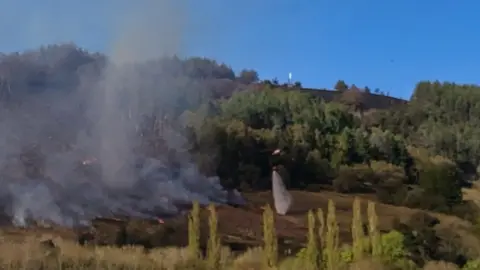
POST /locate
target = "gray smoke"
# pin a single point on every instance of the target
(122, 182)
(281, 197)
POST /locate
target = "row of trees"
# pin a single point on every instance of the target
(342, 86)
(409, 246)
(441, 117)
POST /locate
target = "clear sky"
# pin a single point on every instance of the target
(386, 44)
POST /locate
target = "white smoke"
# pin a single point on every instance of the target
(281, 198)
(121, 182)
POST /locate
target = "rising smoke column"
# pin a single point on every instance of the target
(125, 183)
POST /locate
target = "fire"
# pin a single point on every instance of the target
(89, 161)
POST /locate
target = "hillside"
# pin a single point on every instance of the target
(371, 100)
(87, 137)
(61, 67)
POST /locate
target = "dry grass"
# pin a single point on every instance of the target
(440, 265)
(472, 194)
(21, 249)
(31, 254)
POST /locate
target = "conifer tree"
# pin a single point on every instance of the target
(312, 252)
(321, 229)
(194, 231)
(374, 234)
(358, 235)
(270, 238)
(214, 245)
(331, 239)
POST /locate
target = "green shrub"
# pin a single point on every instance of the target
(393, 248)
(472, 265)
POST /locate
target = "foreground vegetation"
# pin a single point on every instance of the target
(370, 249)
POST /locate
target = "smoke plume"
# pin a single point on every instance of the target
(282, 199)
(101, 173)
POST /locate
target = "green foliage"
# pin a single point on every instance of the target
(443, 118)
(341, 86)
(440, 181)
(352, 178)
(323, 143)
(346, 254)
(319, 138)
(393, 248)
(472, 265)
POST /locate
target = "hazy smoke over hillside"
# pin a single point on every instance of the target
(120, 181)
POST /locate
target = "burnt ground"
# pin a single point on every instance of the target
(239, 227)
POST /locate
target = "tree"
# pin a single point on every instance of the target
(270, 238)
(354, 98)
(194, 231)
(341, 86)
(248, 76)
(440, 180)
(214, 244)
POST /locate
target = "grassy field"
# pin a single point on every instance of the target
(240, 230)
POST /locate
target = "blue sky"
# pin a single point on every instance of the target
(386, 44)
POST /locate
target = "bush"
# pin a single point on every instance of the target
(441, 181)
(472, 265)
(390, 182)
(352, 178)
(393, 248)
